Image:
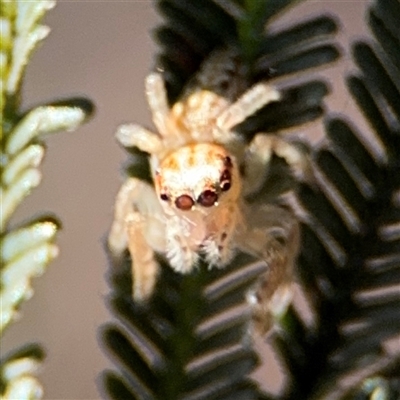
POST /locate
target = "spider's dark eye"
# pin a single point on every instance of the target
(164, 196)
(225, 181)
(184, 202)
(228, 162)
(208, 198)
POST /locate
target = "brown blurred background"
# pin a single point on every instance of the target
(103, 50)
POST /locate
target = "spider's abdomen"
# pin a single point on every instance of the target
(196, 115)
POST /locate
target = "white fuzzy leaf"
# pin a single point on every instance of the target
(27, 158)
(29, 13)
(16, 277)
(5, 26)
(20, 241)
(23, 46)
(25, 387)
(21, 366)
(13, 196)
(42, 120)
(30, 264)
(25, 34)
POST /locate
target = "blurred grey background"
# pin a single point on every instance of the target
(103, 50)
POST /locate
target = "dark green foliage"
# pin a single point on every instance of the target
(193, 29)
(386, 385)
(351, 249)
(175, 347)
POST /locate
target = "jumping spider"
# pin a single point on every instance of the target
(197, 205)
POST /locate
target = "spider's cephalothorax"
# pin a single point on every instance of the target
(197, 205)
(197, 176)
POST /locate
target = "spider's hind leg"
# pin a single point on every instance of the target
(273, 235)
(258, 156)
(251, 101)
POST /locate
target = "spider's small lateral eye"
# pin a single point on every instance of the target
(228, 162)
(208, 198)
(164, 197)
(184, 202)
(225, 181)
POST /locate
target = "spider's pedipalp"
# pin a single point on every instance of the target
(181, 255)
(156, 94)
(133, 135)
(251, 101)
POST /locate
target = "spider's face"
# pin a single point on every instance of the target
(197, 176)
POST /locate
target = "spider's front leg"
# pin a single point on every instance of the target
(274, 237)
(156, 94)
(139, 225)
(133, 135)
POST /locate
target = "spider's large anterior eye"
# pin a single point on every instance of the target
(225, 181)
(208, 198)
(184, 202)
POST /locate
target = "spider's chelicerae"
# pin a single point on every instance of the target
(197, 207)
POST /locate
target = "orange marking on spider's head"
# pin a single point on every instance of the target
(170, 163)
